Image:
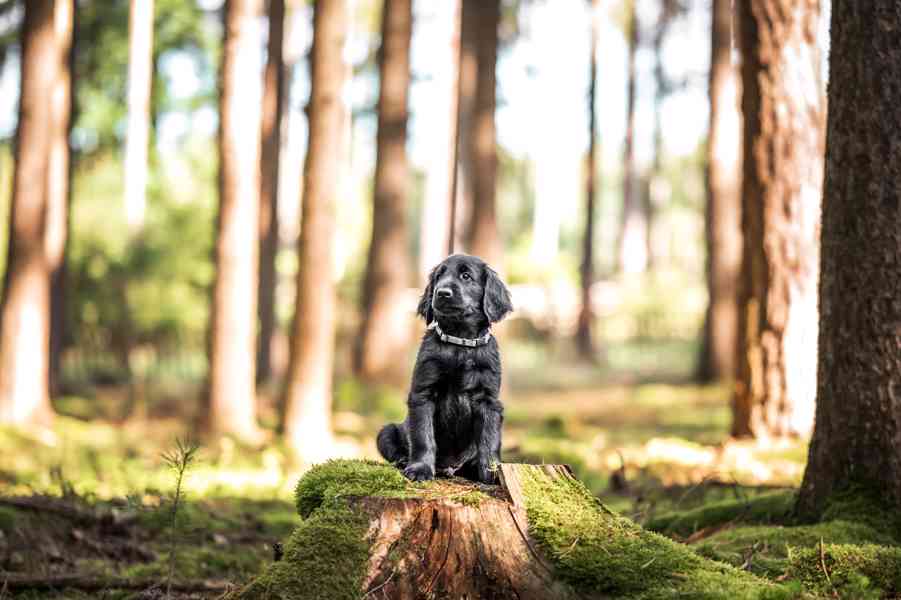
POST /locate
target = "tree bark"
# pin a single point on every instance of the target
(25, 309)
(632, 246)
(723, 211)
(478, 135)
(137, 137)
(308, 393)
(783, 169)
(384, 335)
(483, 551)
(273, 103)
(857, 438)
(232, 395)
(59, 183)
(584, 341)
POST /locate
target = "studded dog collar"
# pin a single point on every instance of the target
(452, 339)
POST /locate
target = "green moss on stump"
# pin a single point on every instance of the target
(599, 552)
(325, 557)
(764, 509)
(347, 478)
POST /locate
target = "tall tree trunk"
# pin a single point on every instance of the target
(435, 237)
(273, 102)
(140, 76)
(385, 332)
(783, 173)
(25, 310)
(478, 135)
(584, 341)
(308, 393)
(59, 183)
(723, 212)
(232, 394)
(857, 438)
(653, 184)
(632, 247)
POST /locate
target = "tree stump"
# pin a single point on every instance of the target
(442, 547)
(369, 533)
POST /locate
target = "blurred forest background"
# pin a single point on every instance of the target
(219, 217)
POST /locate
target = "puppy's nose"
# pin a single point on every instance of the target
(444, 292)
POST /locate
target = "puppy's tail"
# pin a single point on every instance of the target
(392, 445)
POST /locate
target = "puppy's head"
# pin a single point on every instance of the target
(463, 287)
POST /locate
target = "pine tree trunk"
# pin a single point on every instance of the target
(384, 335)
(273, 102)
(632, 246)
(59, 184)
(308, 393)
(25, 310)
(723, 213)
(232, 395)
(584, 341)
(857, 438)
(137, 137)
(783, 169)
(478, 136)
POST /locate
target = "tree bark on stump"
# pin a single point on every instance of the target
(480, 551)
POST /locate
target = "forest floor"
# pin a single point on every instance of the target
(93, 498)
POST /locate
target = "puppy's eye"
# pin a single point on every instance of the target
(465, 276)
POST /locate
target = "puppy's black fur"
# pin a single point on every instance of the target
(454, 418)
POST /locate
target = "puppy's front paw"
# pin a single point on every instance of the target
(487, 473)
(419, 471)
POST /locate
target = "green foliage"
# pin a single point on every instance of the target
(342, 478)
(599, 552)
(153, 289)
(101, 66)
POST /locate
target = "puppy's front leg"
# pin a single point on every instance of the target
(422, 440)
(489, 418)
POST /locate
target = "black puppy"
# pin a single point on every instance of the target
(454, 418)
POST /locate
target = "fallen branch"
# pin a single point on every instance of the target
(90, 583)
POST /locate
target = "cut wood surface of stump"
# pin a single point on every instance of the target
(367, 532)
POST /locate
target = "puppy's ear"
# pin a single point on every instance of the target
(496, 302)
(425, 302)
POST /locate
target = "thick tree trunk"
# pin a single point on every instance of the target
(632, 247)
(59, 183)
(137, 136)
(857, 439)
(273, 102)
(308, 393)
(584, 341)
(385, 332)
(478, 135)
(782, 180)
(25, 310)
(723, 212)
(232, 394)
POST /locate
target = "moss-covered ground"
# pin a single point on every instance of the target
(651, 451)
